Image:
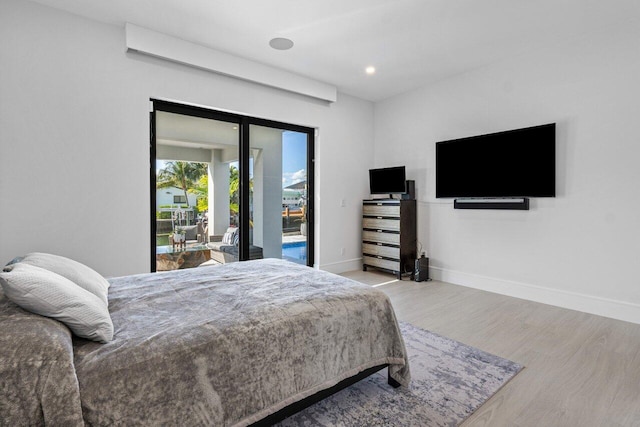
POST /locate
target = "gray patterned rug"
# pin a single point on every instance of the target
(449, 381)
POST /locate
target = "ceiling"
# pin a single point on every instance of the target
(411, 43)
(180, 130)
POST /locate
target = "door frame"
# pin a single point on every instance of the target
(244, 123)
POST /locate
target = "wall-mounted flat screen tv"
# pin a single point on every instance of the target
(514, 163)
(387, 180)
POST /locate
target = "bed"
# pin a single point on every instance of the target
(226, 345)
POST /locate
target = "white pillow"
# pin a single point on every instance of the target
(78, 273)
(48, 294)
(229, 235)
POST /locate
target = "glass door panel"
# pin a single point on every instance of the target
(196, 171)
(278, 194)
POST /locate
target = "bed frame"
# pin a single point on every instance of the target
(296, 407)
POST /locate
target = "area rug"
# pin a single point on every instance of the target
(449, 381)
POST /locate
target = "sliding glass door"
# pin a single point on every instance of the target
(227, 188)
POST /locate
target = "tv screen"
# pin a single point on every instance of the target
(387, 180)
(514, 163)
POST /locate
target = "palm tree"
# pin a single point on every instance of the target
(201, 190)
(181, 175)
(234, 190)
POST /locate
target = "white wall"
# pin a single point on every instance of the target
(74, 141)
(579, 250)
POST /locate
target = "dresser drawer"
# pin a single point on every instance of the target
(385, 251)
(382, 263)
(381, 224)
(381, 210)
(374, 236)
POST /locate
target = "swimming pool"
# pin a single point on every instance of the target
(295, 251)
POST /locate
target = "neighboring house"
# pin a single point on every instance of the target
(173, 197)
(293, 196)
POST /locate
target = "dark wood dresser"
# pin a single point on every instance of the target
(389, 235)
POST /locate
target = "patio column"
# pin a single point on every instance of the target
(218, 194)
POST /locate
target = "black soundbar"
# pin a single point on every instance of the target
(521, 204)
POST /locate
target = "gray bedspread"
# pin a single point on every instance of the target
(228, 345)
(38, 384)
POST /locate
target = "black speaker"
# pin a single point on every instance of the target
(520, 204)
(410, 189)
(422, 269)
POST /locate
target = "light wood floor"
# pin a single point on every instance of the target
(580, 369)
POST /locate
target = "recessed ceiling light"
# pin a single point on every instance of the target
(235, 128)
(370, 70)
(280, 43)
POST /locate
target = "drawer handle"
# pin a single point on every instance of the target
(379, 231)
(379, 244)
(379, 217)
(379, 257)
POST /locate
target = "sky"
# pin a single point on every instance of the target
(294, 157)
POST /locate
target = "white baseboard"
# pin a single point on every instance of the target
(614, 309)
(342, 266)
